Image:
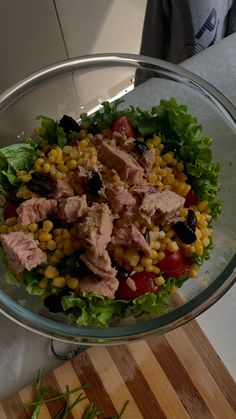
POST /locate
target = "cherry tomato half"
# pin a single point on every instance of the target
(190, 199)
(175, 264)
(123, 126)
(9, 210)
(144, 282)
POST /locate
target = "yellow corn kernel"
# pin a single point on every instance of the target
(193, 271)
(174, 162)
(152, 178)
(72, 283)
(57, 231)
(82, 134)
(155, 245)
(153, 269)
(198, 233)
(202, 205)
(72, 164)
(173, 289)
(172, 247)
(59, 239)
(54, 260)
(43, 283)
(198, 246)
(161, 256)
(46, 168)
(43, 245)
(159, 280)
(59, 253)
(62, 168)
(169, 179)
(66, 234)
(184, 212)
(45, 237)
(138, 268)
(170, 233)
(3, 229)
(47, 225)
(145, 261)
(180, 167)
(67, 245)
(207, 217)
(67, 149)
(154, 254)
(51, 272)
(118, 252)
(205, 241)
(59, 281)
(11, 221)
(83, 144)
(93, 160)
(134, 260)
(33, 227)
(168, 158)
(158, 161)
(39, 161)
(161, 235)
(51, 245)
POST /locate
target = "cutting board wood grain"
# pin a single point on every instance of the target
(177, 376)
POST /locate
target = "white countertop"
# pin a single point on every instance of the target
(218, 66)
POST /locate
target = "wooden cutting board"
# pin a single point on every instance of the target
(177, 376)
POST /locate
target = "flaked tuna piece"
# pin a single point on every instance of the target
(145, 189)
(164, 207)
(118, 196)
(130, 236)
(34, 210)
(106, 288)
(22, 251)
(63, 190)
(123, 141)
(72, 208)
(147, 160)
(122, 162)
(96, 229)
(99, 263)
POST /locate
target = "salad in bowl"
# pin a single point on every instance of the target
(106, 217)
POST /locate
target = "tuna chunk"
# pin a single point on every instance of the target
(21, 251)
(122, 162)
(97, 227)
(130, 236)
(148, 160)
(164, 207)
(145, 189)
(35, 210)
(99, 263)
(72, 208)
(95, 284)
(63, 190)
(118, 196)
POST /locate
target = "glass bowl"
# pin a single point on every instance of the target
(80, 85)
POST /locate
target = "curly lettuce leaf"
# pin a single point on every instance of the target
(93, 309)
(52, 131)
(32, 283)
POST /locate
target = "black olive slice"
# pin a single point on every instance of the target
(192, 220)
(69, 124)
(184, 232)
(94, 183)
(141, 147)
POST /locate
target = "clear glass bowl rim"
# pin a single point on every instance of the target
(179, 315)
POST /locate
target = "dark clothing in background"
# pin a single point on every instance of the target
(174, 30)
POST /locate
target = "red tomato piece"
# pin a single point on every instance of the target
(123, 126)
(175, 264)
(9, 210)
(191, 199)
(144, 282)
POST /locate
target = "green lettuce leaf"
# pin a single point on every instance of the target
(93, 309)
(52, 131)
(31, 282)
(12, 159)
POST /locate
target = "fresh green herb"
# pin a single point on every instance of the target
(41, 392)
(52, 131)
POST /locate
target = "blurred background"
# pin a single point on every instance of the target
(36, 33)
